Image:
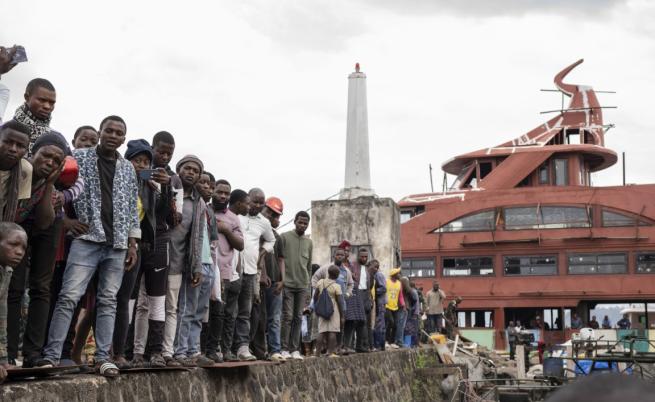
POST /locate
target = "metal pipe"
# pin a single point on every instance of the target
(623, 161)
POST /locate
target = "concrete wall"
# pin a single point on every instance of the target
(384, 376)
(364, 220)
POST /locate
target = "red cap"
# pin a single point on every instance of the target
(275, 205)
(344, 245)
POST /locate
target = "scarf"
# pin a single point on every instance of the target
(37, 126)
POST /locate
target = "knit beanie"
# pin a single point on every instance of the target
(51, 138)
(136, 147)
(189, 158)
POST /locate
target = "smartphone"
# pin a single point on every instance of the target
(146, 174)
(20, 56)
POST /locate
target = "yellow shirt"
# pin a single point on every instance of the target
(393, 294)
(139, 208)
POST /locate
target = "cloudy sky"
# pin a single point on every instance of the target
(257, 88)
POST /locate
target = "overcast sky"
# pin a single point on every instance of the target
(258, 88)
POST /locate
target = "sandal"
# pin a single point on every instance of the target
(122, 363)
(107, 369)
(170, 362)
(157, 361)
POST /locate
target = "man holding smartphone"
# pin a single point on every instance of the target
(155, 289)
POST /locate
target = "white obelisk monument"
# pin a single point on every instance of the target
(358, 172)
(359, 216)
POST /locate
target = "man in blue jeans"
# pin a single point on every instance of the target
(275, 271)
(108, 205)
(196, 285)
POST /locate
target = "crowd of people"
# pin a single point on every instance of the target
(125, 260)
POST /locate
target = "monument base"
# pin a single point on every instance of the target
(366, 222)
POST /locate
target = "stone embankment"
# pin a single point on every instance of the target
(383, 376)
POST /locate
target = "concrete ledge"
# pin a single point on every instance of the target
(382, 376)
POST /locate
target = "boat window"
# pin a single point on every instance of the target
(646, 262)
(521, 218)
(467, 266)
(544, 177)
(561, 172)
(614, 219)
(418, 267)
(553, 217)
(598, 264)
(531, 265)
(546, 217)
(463, 177)
(481, 221)
(485, 169)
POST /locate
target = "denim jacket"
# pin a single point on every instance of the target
(125, 192)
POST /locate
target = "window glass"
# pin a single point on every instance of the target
(480, 221)
(564, 217)
(467, 266)
(521, 218)
(549, 217)
(543, 174)
(561, 172)
(614, 219)
(418, 267)
(531, 265)
(646, 263)
(615, 263)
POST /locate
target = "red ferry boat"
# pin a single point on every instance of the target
(523, 233)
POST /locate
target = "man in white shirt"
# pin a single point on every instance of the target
(257, 233)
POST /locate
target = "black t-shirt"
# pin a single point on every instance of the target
(272, 267)
(107, 169)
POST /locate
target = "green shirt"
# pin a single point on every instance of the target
(297, 259)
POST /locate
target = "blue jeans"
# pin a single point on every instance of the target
(400, 327)
(192, 307)
(84, 259)
(274, 314)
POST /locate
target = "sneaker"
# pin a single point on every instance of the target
(277, 357)
(217, 357)
(230, 357)
(394, 346)
(204, 361)
(244, 354)
(285, 355)
(156, 361)
(296, 356)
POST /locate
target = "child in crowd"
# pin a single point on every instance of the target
(13, 243)
(329, 328)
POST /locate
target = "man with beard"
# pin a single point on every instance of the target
(108, 205)
(149, 322)
(257, 233)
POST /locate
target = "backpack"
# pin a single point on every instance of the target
(324, 307)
